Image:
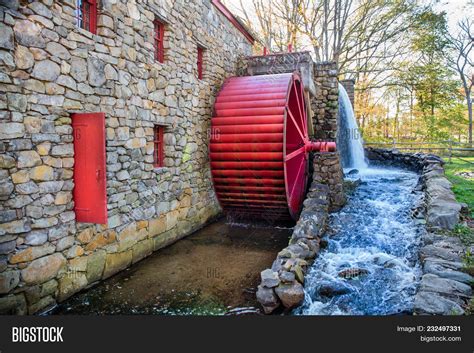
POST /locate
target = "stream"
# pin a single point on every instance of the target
(370, 265)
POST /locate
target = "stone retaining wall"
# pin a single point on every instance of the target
(442, 208)
(282, 284)
(282, 63)
(328, 170)
(349, 86)
(50, 68)
(325, 104)
(445, 287)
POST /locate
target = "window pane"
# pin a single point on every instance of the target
(79, 13)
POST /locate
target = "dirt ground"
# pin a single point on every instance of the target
(209, 272)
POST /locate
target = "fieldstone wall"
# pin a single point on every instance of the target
(442, 209)
(325, 104)
(328, 170)
(282, 285)
(445, 287)
(349, 86)
(282, 63)
(50, 68)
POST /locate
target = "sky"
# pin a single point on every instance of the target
(456, 9)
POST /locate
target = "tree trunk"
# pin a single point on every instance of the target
(469, 109)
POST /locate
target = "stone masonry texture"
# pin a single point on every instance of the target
(349, 86)
(325, 104)
(327, 169)
(50, 68)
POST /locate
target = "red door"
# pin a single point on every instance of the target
(90, 195)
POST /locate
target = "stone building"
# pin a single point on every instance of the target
(145, 73)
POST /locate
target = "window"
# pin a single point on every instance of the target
(158, 146)
(159, 35)
(200, 55)
(87, 15)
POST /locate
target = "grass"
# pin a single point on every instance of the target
(465, 233)
(470, 308)
(468, 262)
(463, 188)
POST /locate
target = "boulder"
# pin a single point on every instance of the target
(43, 269)
(447, 269)
(96, 69)
(95, 265)
(427, 303)
(333, 288)
(444, 286)
(443, 214)
(58, 50)
(291, 295)
(23, 58)
(71, 283)
(435, 251)
(28, 34)
(267, 298)
(27, 159)
(269, 278)
(79, 69)
(46, 70)
(116, 262)
(353, 172)
(31, 253)
(352, 273)
(13, 305)
(430, 238)
(296, 251)
(6, 37)
(287, 277)
(10, 4)
(8, 281)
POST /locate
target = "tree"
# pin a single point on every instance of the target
(396, 50)
(434, 87)
(277, 21)
(463, 62)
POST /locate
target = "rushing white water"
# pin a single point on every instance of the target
(349, 140)
(375, 235)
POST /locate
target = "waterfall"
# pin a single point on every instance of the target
(349, 140)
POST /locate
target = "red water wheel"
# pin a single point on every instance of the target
(259, 146)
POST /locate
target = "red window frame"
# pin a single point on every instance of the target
(200, 56)
(158, 146)
(87, 15)
(158, 36)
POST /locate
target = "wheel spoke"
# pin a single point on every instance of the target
(305, 126)
(295, 181)
(294, 153)
(296, 124)
(300, 109)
